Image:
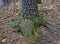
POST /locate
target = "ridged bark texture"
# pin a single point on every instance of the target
(29, 7)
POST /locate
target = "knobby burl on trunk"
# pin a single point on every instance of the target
(28, 20)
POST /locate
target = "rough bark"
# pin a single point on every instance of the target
(29, 7)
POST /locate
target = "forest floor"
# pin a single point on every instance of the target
(11, 36)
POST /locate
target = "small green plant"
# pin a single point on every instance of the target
(28, 21)
(39, 1)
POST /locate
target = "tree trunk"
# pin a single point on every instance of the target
(29, 7)
(1, 3)
(6, 2)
